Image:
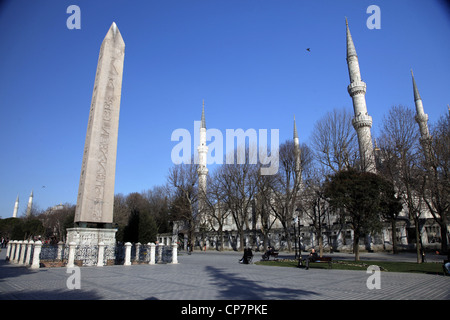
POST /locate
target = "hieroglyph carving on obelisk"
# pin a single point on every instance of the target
(96, 188)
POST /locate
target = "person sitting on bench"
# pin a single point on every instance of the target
(247, 256)
(269, 251)
(312, 257)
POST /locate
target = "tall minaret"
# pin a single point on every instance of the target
(362, 122)
(421, 119)
(298, 166)
(202, 171)
(30, 203)
(16, 207)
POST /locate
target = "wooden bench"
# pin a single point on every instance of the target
(309, 260)
(266, 256)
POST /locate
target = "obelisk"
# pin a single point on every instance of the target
(96, 189)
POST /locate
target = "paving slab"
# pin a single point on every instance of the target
(216, 276)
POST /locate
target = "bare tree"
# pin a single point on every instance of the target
(436, 183)
(334, 141)
(182, 181)
(216, 213)
(159, 199)
(239, 183)
(399, 156)
(313, 203)
(286, 185)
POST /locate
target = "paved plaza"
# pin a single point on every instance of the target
(219, 276)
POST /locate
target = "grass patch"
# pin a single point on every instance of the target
(388, 266)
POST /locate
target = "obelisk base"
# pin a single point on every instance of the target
(91, 236)
(87, 240)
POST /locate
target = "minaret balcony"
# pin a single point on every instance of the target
(362, 120)
(421, 117)
(202, 170)
(356, 87)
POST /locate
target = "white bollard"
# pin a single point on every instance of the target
(152, 253)
(71, 258)
(60, 250)
(29, 248)
(23, 249)
(174, 253)
(101, 254)
(138, 251)
(160, 252)
(8, 251)
(127, 254)
(36, 254)
(17, 252)
(14, 251)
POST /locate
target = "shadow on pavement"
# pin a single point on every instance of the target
(233, 287)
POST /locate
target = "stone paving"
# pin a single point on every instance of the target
(219, 276)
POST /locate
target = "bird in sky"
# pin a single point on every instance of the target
(308, 49)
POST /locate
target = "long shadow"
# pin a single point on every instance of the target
(233, 287)
(50, 295)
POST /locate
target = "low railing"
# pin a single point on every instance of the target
(36, 254)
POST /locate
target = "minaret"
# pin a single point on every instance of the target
(30, 203)
(421, 119)
(298, 166)
(362, 122)
(202, 171)
(16, 207)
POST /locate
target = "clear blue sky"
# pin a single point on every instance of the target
(246, 58)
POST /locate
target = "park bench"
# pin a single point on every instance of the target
(273, 253)
(309, 260)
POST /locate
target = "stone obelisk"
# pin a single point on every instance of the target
(95, 201)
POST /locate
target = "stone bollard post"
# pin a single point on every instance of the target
(71, 258)
(160, 252)
(127, 254)
(101, 254)
(23, 250)
(8, 251)
(17, 254)
(152, 253)
(29, 248)
(138, 251)
(36, 254)
(60, 250)
(174, 253)
(13, 250)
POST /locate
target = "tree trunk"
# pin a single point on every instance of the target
(394, 236)
(444, 235)
(418, 244)
(321, 245)
(356, 245)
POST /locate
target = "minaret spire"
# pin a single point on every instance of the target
(295, 130)
(30, 204)
(16, 207)
(362, 122)
(203, 115)
(202, 170)
(297, 153)
(421, 119)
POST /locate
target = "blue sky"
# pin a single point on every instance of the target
(246, 58)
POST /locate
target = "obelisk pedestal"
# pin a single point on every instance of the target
(94, 211)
